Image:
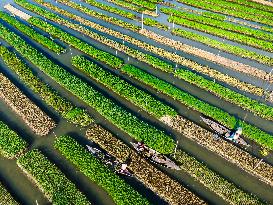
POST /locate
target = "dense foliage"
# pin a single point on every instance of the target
(103, 56)
(11, 145)
(121, 192)
(229, 191)
(98, 15)
(227, 94)
(65, 108)
(253, 4)
(123, 88)
(151, 60)
(155, 23)
(106, 107)
(220, 60)
(128, 5)
(5, 196)
(144, 171)
(32, 33)
(148, 174)
(231, 9)
(112, 9)
(244, 102)
(147, 4)
(51, 181)
(236, 50)
(225, 118)
(147, 58)
(241, 38)
(219, 24)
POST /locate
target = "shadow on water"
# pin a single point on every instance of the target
(138, 186)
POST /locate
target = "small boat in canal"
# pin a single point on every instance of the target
(110, 161)
(222, 131)
(154, 156)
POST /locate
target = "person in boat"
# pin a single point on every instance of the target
(141, 146)
(235, 135)
(123, 169)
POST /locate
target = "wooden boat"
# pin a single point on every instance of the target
(156, 157)
(223, 131)
(109, 160)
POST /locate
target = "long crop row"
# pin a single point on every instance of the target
(103, 56)
(32, 115)
(106, 107)
(6, 197)
(152, 60)
(123, 88)
(121, 192)
(112, 9)
(202, 13)
(157, 181)
(11, 145)
(243, 99)
(222, 18)
(215, 8)
(263, 2)
(236, 50)
(247, 40)
(93, 13)
(225, 189)
(187, 99)
(226, 150)
(253, 5)
(219, 24)
(50, 180)
(217, 89)
(65, 108)
(227, 94)
(228, 63)
(155, 23)
(143, 3)
(222, 187)
(256, 13)
(32, 33)
(133, 7)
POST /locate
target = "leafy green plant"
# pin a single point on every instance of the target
(142, 169)
(236, 50)
(6, 197)
(231, 9)
(219, 24)
(11, 145)
(121, 87)
(32, 33)
(241, 38)
(99, 15)
(112, 9)
(118, 189)
(155, 23)
(147, 4)
(65, 108)
(225, 118)
(103, 56)
(51, 181)
(125, 120)
(227, 190)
